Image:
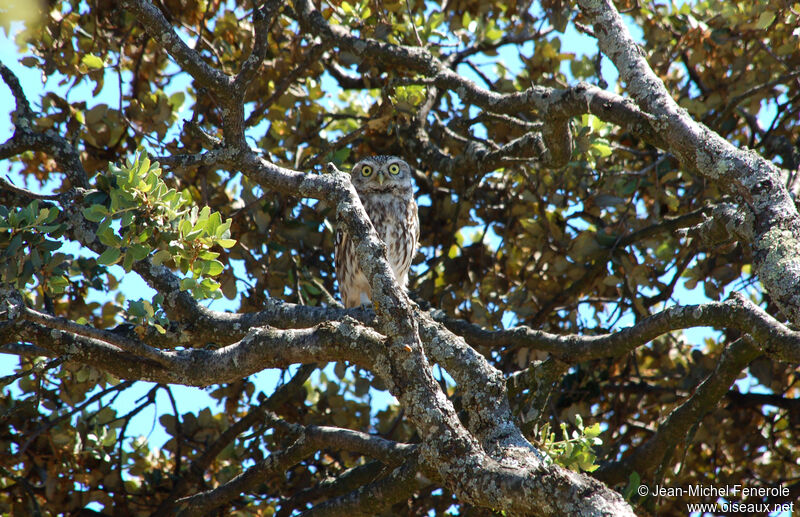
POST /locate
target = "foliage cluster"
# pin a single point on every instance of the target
(604, 242)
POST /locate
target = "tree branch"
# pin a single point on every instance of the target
(372, 499)
(774, 338)
(22, 109)
(308, 439)
(555, 106)
(657, 451)
(26, 138)
(776, 237)
(261, 348)
(122, 343)
(262, 18)
(257, 414)
(187, 58)
(276, 463)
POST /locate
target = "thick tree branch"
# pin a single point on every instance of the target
(483, 386)
(351, 480)
(446, 444)
(539, 379)
(275, 464)
(261, 348)
(22, 106)
(727, 223)
(12, 195)
(774, 338)
(228, 91)
(121, 342)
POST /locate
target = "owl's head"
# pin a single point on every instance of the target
(378, 174)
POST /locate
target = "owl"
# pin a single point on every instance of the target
(384, 186)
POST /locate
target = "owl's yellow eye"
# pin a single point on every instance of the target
(394, 168)
(366, 170)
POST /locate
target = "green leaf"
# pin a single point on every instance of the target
(92, 61)
(144, 165)
(108, 237)
(312, 289)
(161, 256)
(138, 251)
(58, 284)
(127, 263)
(109, 256)
(95, 213)
(214, 222)
(36, 259)
(136, 308)
(765, 20)
(227, 243)
(194, 234)
(49, 245)
(145, 185)
(185, 227)
(130, 174)
(210, 288)
(633, 483)
(494, 33)
(213, 267)
(593, 430)
(127, 219)
(110, 438)
(465, 19)
(176, 100)
(14, 245)
(204, 215)
(42, 215)
(602, 149)
(82, 375)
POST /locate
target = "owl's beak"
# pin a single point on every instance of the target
(381, 177)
